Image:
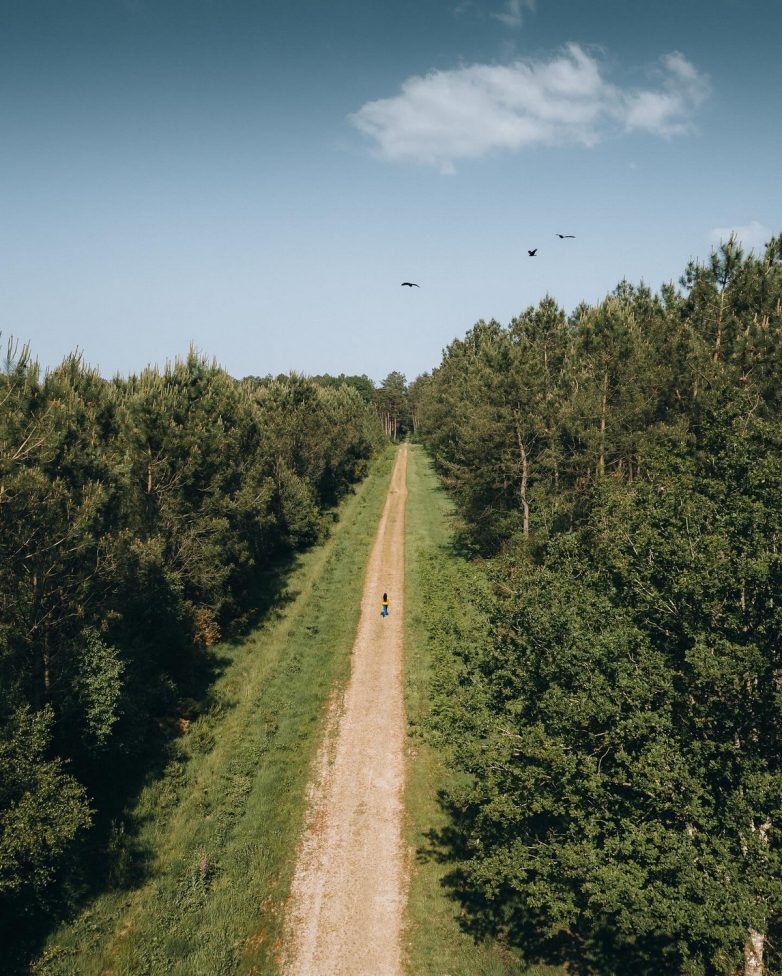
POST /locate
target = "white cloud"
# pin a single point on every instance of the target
(666, 111)
(462, 7)
(513, 13)
(470, 111)
(752, 236)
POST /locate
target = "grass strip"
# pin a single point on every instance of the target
(217, 834)
(440, 586)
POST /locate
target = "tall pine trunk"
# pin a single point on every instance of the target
(524, 478)
(46, 666)
(718, 337)
(601, 464)
(756, 941)
(753, 953)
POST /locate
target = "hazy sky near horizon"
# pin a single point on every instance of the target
(258, 178)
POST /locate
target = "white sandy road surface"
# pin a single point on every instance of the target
(344, 917)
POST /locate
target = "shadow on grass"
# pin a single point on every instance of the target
(157, 708)
(500, 912)
(500, 917)
(462, 545)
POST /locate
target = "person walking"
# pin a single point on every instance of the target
(384, 606)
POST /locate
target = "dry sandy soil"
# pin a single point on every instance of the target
(347, 902)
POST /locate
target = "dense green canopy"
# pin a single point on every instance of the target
(620, 721)
(140, 518)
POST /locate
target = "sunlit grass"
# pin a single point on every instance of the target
(437, 582)
(215, 838)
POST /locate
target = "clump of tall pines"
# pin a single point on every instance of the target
(140, 520)
(620, 726)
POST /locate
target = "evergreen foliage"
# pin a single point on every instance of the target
(392, 407)
(42, 807)
(620, 725)
(140, 519)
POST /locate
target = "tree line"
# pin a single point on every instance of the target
(141, 518)
(390, 399)
(619, 725)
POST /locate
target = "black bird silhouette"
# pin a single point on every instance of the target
(532, 253)
(410, 284)
(563, 236)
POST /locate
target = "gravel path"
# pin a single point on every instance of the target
(348, 896)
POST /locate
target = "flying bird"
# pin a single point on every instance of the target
(532, 253)
(410, 284)
(563, 236)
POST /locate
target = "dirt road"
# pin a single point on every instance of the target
(348, 896)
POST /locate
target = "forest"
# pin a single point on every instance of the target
(615, 727)
(142, 520)
(618, 474)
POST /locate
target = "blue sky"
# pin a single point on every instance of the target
(258, 177)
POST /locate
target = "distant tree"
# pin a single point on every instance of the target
(416, 395)
(391, 404)
(362, 384)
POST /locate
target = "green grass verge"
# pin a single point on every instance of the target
(218, 831)
(439, 584)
